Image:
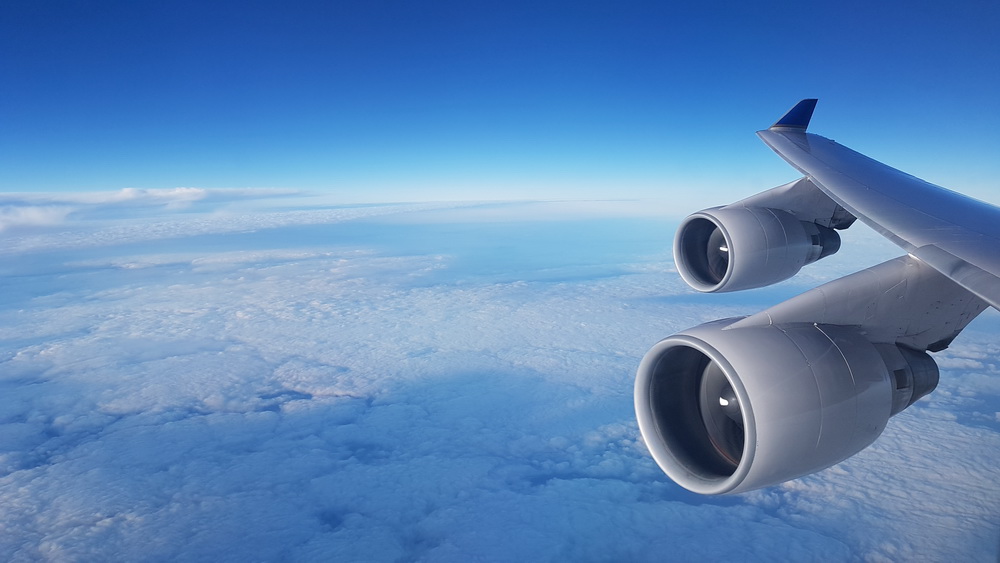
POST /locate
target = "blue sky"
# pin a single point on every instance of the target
(405, 101)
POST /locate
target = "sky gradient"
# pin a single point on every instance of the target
(397, 101)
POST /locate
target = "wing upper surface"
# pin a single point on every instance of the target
(957, 235)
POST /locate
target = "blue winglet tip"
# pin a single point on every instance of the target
(798, 117)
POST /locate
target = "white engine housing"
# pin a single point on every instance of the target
(730, 410)
(735, 247)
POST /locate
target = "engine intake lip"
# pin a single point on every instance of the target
(670, 420)
(700, 264)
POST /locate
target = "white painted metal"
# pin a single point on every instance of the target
(816, 395)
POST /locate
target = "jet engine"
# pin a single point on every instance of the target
(719, 416)
(736, 247)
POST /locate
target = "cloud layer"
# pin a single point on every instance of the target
(291, 384)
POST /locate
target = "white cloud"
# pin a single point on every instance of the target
(407, 397)
(149, 196)
(32, 216)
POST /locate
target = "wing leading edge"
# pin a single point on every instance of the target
(954, 234)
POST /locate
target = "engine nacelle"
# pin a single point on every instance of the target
(735, 247)
(720, 416)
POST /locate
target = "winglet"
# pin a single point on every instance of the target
(798, 117)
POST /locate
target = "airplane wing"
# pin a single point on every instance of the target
(742, 403)
(957, 235)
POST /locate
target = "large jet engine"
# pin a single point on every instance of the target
(719, 416)
(734, 247)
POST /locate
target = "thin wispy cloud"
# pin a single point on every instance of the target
(32, 216)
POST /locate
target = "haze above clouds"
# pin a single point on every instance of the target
(244, 378)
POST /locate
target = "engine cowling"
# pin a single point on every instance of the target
(719, 416)
(736, 247)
